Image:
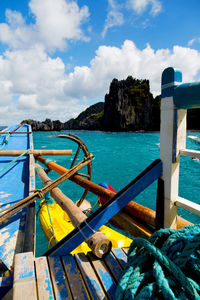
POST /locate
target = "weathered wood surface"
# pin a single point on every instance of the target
(44, 286)
(139, 211)
(98, 242)
(68, 277)
(36, 152)
(16, 183)
(24, 277)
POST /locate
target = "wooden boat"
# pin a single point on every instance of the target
(17, 180)
(60, 275)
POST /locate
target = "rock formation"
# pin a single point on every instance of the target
(47, 125)
(129, 106)
(90, 119)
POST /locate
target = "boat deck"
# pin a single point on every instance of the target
(17, 180)
(68, 277)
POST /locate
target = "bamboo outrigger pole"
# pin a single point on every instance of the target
(36, 152)
(98, 242)
(12, 131)
(134, 209)
(13, 209)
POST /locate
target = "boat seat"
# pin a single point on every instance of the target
(68, 277)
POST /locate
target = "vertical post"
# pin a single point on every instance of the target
(172, 139)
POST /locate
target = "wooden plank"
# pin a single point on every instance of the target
(74, 278)
(120, 256)
(12, 233)
(104, 275)
(108, 210)
(91, 280)
(29, 239)
(190, 153)
(24, 286)
(36, 152)
(114, 266)
(172, 139)
(125, 249)
(188, 205)
(45, 290)
(187, 95)
(99, 243)
(59, 280)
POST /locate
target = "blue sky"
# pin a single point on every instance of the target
(57, 57)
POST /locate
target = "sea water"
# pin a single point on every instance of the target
(119, 158)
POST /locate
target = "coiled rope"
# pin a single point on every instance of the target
(165, 267)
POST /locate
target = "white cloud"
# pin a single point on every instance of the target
(34, 85)
(111, 62)
(195, 40)
(140, 6)
(56, 22)
(114, 17)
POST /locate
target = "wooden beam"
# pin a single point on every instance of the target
(187, 95)
(98, 242)
(108, 210)
(188, 205)
(24, 286)
(134, 209)
(36, 152)
(172, 139)
(137, 210)
(190, 153)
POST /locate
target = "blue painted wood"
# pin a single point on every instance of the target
(120, 256)
(74, 279)
(187, 95)
(14, 186)
(114, 266)
(108, 210)
(104, 275)
(170, 79)
(24, 276)
(44, 287)
(5, 285)
(58, 278)
(90, 277)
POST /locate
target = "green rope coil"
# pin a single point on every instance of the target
(165, 267)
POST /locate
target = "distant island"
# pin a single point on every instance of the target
(129, 106)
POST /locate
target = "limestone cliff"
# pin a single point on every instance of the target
(129, 106)
(90, 119)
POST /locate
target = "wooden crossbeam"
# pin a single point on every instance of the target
(190, 153)
(107, 211)
(188, 205)
(36, 152)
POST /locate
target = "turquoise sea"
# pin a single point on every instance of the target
(119, 158)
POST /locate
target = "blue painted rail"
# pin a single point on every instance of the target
(15, 184)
